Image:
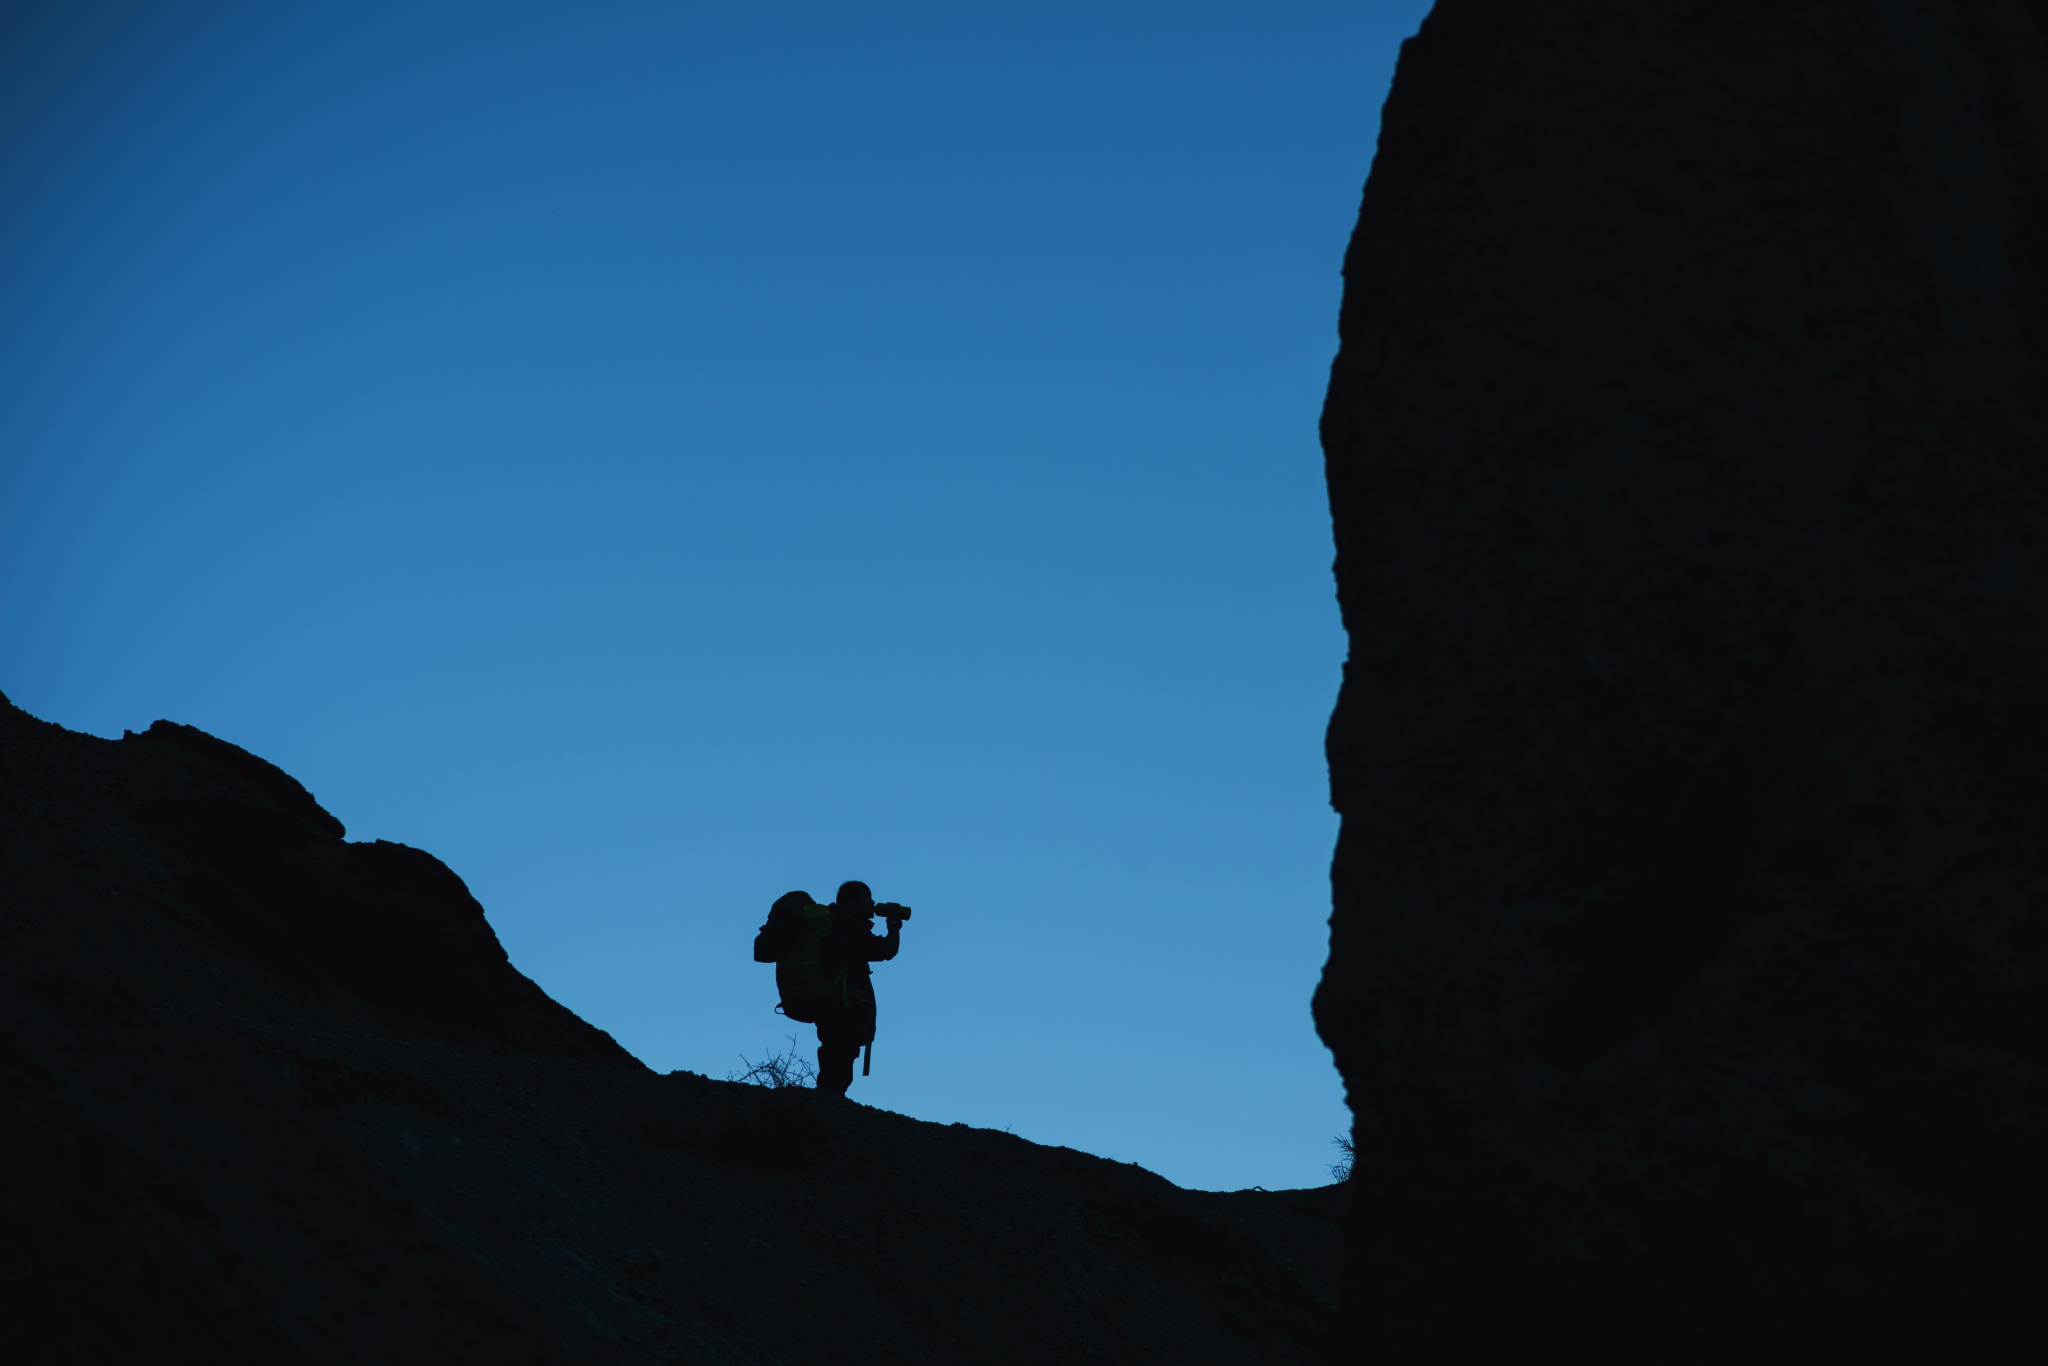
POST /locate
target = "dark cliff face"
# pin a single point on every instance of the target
(267, 1096)
(1688, 457)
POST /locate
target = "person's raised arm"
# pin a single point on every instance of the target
(764, 946)
(881, 949)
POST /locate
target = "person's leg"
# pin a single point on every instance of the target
(837, 1048)
(835, 1068)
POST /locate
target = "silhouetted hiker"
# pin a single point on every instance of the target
(821, 956)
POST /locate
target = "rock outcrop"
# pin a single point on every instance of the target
(1688, 457)
(267, 1096)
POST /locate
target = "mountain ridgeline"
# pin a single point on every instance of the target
(268, 1096)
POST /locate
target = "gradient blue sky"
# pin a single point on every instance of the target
(654, 456)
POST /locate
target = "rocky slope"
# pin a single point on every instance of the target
(1688, 456)
(269, 1096)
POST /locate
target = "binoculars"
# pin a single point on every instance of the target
(890, 910)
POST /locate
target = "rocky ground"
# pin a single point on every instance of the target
(269, 1096)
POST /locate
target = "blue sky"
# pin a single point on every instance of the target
(655, 456)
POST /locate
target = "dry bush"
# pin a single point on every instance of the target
(778, 1071)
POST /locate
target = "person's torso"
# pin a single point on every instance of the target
(847, 946)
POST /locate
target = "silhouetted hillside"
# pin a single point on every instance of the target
(269, 1096)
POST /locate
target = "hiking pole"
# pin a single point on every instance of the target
(867, 1056)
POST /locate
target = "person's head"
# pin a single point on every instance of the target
(790, 901)
(855, 896)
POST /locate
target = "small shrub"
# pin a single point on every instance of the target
(1341, 1169)
(778, 1071)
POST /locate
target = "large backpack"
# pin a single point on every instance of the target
(799, 932)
